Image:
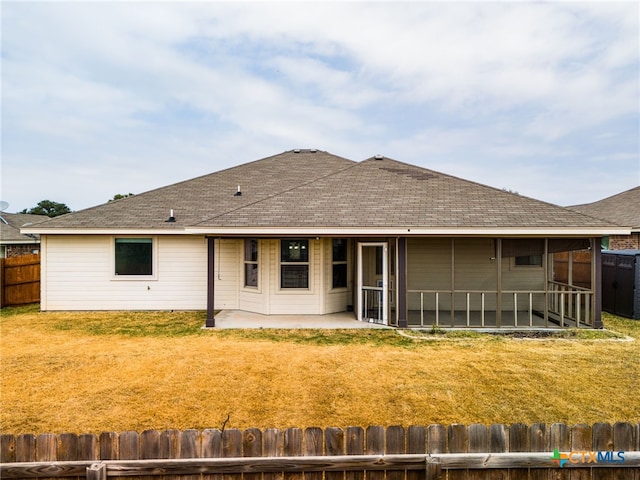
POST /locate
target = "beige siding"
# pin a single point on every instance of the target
(475, 268)
(336, 300)
(78, 274)
(291, 301)
(227, 274)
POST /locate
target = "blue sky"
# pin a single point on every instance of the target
(106, 98)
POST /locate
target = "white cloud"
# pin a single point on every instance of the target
(211, 83)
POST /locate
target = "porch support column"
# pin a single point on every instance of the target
(499, 282)
(211, 282)
(401, 280)
(596, 282)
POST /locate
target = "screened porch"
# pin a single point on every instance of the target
(498, 283)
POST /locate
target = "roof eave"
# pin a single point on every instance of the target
(412, 231)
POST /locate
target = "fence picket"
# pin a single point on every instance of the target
(559, 438)
(580, 442)
(623, 441)
(395, 444)
(436, 439)
(272, 447)
(478, 443)
(602, 441)
(539, 435)
(519, 441)
(251, 447)
(458, 443)
(232, 447)
(498, 443)
(129, 445)
(374, 441)
(212, 448)
(354, 443)
(149, 445)
(292, 447)
(416, 443)
(334, 445)
(109, 446)
(7, 448)
(88, 447)
(313, 444)
(190, 447)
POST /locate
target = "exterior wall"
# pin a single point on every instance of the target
(228, 276)
(269, 299)
(475, 268)
(624, 242)
(337, 300)
(77, 274)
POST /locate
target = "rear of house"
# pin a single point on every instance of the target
(307, 232)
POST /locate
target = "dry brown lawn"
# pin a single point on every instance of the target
(88, 372)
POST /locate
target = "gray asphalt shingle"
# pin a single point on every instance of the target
(318, 189)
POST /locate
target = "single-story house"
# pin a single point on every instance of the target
(308, 232)
(622, 209)
(12, 242)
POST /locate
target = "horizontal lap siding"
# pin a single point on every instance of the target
(294, 301)
(227, 275)
(429, 268)
(338, 299)
(79, 275)
(255, 299)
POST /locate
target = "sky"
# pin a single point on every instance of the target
(106, 98)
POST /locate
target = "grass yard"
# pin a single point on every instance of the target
(87, 372)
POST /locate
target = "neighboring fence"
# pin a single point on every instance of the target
(19, 280)
(515, 452)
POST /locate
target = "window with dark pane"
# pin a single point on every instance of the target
(251, 262)
(339, 263)
(294, 263)
(529, 261)
(134, 256)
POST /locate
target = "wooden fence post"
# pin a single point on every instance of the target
(97, 471)
(433, 469)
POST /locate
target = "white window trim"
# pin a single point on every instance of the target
(134, 278)
(340, 262)
(245, 262)
(308, 263)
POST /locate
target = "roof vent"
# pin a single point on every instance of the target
(238, 193)
(313, 150)
(171, 218)
(378, 157)
(297, 150)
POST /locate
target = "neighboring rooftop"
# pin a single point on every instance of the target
(10, 224)
(621, 209)
(310, 188)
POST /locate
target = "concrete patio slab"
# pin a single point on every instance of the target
(227, 319)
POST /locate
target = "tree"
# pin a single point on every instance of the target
(48, 208)
(118, 196)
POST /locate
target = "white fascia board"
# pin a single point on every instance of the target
(102, 231)
(408, 232)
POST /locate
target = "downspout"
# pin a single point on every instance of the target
(211, 283)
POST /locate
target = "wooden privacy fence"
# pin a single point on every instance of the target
(19, 280)
(539, 451)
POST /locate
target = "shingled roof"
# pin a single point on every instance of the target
(622, 208)
(10, 224)
(310, 189)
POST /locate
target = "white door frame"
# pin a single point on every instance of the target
(385, 280)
